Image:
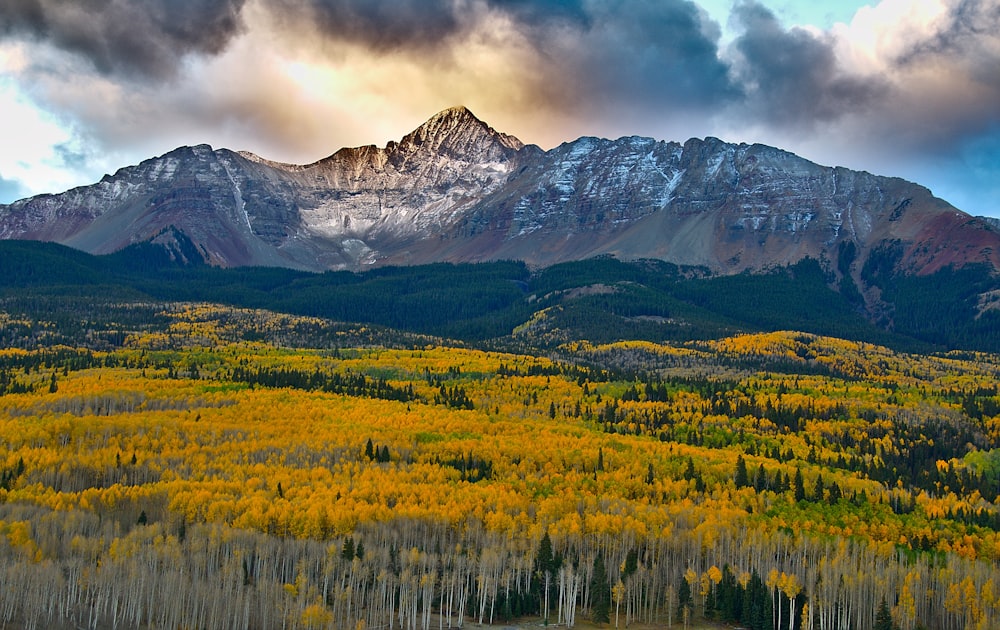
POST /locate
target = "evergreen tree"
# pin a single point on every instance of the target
(741, 478)
(600, 590)
(544, 570)
(818, 490)
(760, 479)
(543, 561)
(631, 563)
(799, 484)
(347, 551)
(883, 618)
(689, 471)
(835, 493)
(684, 598)
(729, 600)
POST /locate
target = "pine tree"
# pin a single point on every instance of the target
(741, 478)
(799, 484)
(760, 479)
(601, 592)
(544, 569)
(835, 493)
(689, 471)
(684, 600)
(883, 618)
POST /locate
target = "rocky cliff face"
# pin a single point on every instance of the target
(457, 190)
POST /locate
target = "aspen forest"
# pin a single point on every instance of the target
(220, 467)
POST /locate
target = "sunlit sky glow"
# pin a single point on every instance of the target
(907, 88)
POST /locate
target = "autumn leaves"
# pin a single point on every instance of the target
(449, 466)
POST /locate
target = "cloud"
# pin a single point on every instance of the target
(135, 37)
(963, 32)
(582, 55)
(295, 80)
(304, 77)
(939, 65)
(11, 190)
(650, 55)
(950, 76)
(792, 77)
(390, 25)
(379, 24)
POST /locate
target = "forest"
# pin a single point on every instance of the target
(194, 465)
(494, 304)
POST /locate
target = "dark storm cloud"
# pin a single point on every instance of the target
(534, 11)
(390, 25)
(652, 54)
(378, 24)
(791, 77)
(135, 37)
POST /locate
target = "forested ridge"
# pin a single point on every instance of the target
(506, 304)
(195, 465)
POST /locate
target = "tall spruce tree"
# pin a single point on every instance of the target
(883, 618)
(600, 590)
(799, 484)
(741, 478)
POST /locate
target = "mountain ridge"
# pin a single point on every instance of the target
(457, 190)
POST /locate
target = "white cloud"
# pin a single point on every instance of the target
(30, 151)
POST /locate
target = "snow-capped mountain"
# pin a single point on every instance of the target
(455, 189)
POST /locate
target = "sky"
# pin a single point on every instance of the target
(905, 88)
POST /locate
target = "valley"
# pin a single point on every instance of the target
(230, 466)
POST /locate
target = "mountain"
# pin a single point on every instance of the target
(457, 190)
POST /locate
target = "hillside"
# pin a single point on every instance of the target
(509, 305)
(239, 464)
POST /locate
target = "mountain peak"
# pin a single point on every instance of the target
(455, 189)
(458, 112)
(456, 130)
